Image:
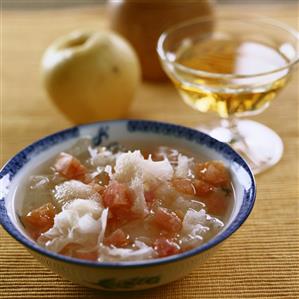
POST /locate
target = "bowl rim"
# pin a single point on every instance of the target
(255, 19)
(73, 132)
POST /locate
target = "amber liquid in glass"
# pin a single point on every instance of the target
(230, 96)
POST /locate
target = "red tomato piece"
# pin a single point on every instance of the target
(216, 203)
(167, 221)
(192, 186)
(39, 220)
(165, 247)
(213, 172)
(185, 186)
(149, 197)
(202, 188)
(118, 238)
(117, 195)
(70, 167)
(119, 199)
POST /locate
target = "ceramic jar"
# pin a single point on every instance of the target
(142, 21)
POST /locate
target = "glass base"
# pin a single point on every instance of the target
(260, 146)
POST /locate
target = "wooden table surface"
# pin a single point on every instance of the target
(260, 261)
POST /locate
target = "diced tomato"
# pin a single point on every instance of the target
(39, 220)
(213, 172)
(70, 167)
(149, 197)
(118, 238)
(216, 203)
(192, 186)
(165, 247)
(202, 188)
(167, 221)
(120, 217)
(119, 199)
(76, 251)
(184, 186)
(117, 195)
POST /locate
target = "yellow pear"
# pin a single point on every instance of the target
(91, 76)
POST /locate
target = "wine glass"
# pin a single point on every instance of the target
(233, 66)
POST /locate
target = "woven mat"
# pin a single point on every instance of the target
(260, 261)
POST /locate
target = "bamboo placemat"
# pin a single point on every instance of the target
(260, 261)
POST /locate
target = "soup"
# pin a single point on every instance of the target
(113, 204)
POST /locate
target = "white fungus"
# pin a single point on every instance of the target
(183, 168)
(140, 252)
(71, 190)
(75, 225)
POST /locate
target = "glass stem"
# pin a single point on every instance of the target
(239, 142)
(231, 124)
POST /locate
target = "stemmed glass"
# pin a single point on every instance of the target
(233, 66)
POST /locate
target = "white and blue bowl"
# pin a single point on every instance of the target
(135, 133)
